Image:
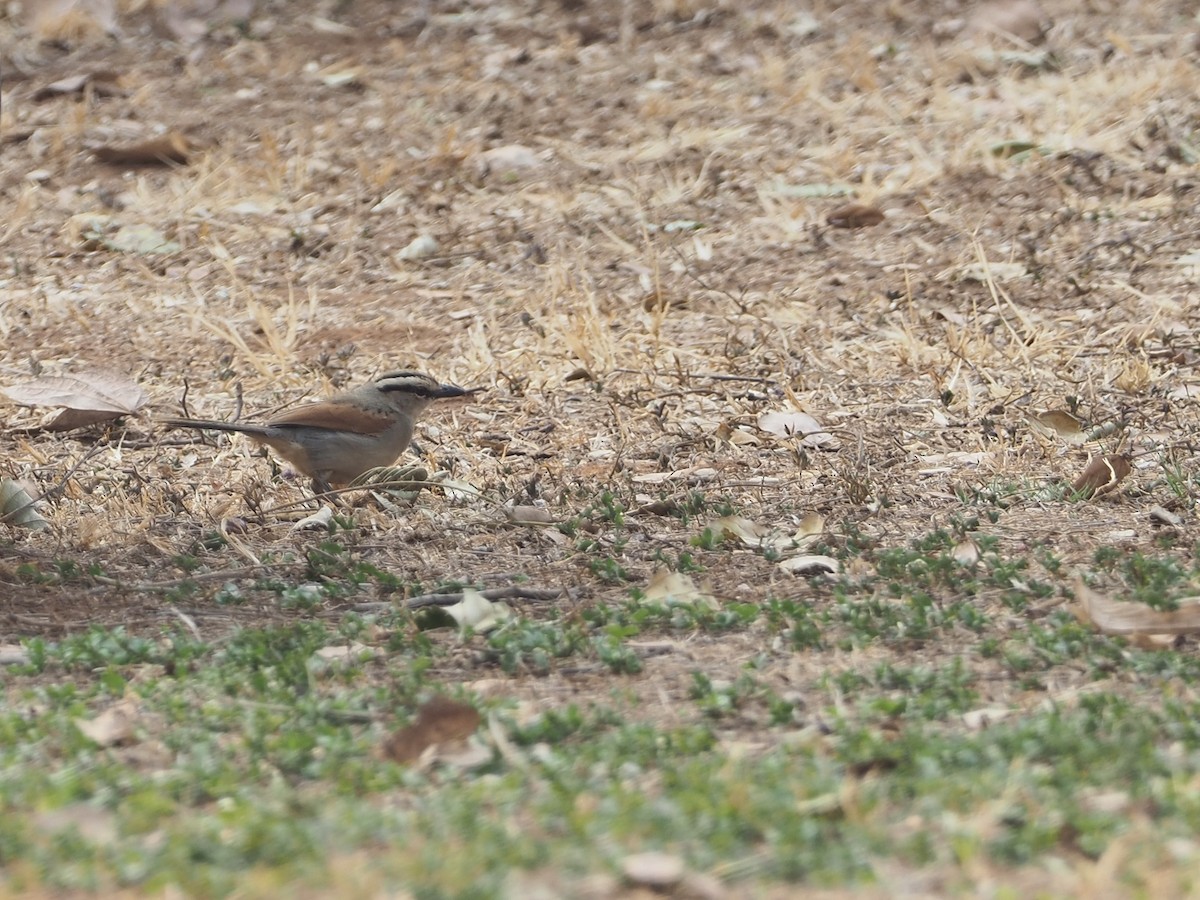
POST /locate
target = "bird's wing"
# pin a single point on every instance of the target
(334, 417)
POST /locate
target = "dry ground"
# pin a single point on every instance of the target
(633, 289)
(611, 344)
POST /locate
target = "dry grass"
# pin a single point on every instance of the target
(996, 287)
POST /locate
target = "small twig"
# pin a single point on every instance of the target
(423, 600)
(188, 621)
(712, 376)
(151, 587)
(348, 716)
(374, 485)
(690, 272)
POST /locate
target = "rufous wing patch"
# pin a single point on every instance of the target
(335, 417)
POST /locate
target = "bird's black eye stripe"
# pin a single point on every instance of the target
(408, 381)
(408, 387)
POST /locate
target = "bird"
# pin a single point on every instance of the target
(335, 440)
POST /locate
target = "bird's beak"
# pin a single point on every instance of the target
(446, 391)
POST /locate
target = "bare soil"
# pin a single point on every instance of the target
(634, 262)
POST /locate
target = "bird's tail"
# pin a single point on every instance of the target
(213, 425)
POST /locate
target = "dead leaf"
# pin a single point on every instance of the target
(191, 20)
(13, 655)
(1154, 641)
(112, 727)
(18, 508)
(1158, 515)
(72, 20)
(98, 397)
(70, 419)
(102, 83)
(761, 538)
(529, 515)
(654, 870)
(812, 526)
(979, 719)
(993, 271)
(965, 553)
(747, 531)
(855, 215)
(440, 721)
(341, 76)
(95, 824)
(422, 246)
(478, 612)
(1023, 20)
(1059, 423)
(793, 423)
(810, 565)
(345, 654)
(1015, 149)
(736, 436)
(1132, 618)
(19, 136)
(1102, 475)
(321, 520)
(507, 160)
(172, 148)
(401, 483)
(675, 587)
(462, 755)
(136, 238)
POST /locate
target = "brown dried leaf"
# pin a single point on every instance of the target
(813, 564)
(749, 532)
(439, 721)
(1131, 618)
(855, 215)
(979, 719)
(654, 870)
(72, 20)
(112, 727)
(1102, 475)
(13, 655)
(138, 237)
(1020, 19)
(477, 612)
(760, 537)
(812, 526)
(191, 20)
(103, 84)
(172, 148)
(966, 553)
(1059, 423)
(1154, 641)
(340, 76)
(509, 158)
(529, 515)
(96, 397)
(70, 419)
(666, 586)
(96, 825)
(99, 391)
(18, 508)
(792, 423)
